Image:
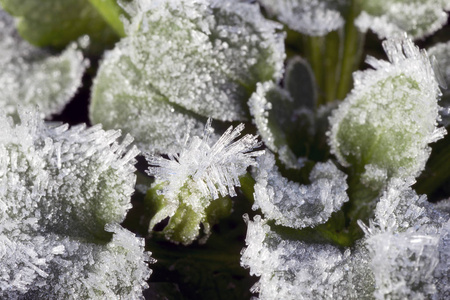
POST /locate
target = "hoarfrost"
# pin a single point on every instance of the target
(293, 269)
(202, 172)
(418, 18)
(405, 244)
(182, 60)
(390, 116)
(311, 17)
(62, 194)
(291, 204)
(34, 77)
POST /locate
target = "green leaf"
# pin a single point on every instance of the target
(57, 23)
(31, 76)
(181, 63)
(418, 18)
(384, 126)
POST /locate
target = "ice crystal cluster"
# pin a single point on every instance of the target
(33, 76)
(181, 62)
(63, 193)
(192, 187)
(393, 111)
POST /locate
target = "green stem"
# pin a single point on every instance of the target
(331, 65)
(248, 187)
(353, 43)
(314, 55)
(110, 12)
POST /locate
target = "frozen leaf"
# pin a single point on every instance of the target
(275, 114)
(384, 126)
(33, 76)
(57, 23)
(388, 18)
(403, 243)
(192, 186)
(291, 204)
(293, 269)
(311, 17)
(183, 61)
(59, 190)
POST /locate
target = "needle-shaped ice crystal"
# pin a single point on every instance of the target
(32, 76)
(63, 193)
(183, 61)
(294, 269)
(201, 174)
(385, 124)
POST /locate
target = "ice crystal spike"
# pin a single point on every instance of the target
(32, 76)
(311, 17)
(63, 193)
(199, 178)
(384, 126)
(293, 269)
(294, 205)
(182, 60)
(418, 18)
(404, 243)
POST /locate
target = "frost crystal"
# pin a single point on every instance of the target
(34, 77)
(201, 173)
(418, 18)
(182, 60)
(403, 242)
(62, 194)
(390, 117)
(291, 204)
(311, 17)
(293, 269)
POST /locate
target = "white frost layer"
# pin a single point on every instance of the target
(59, 188)
(181, 60)
(407, 244)
(418, 18)
(311, 17)
(292, 269)
(204, 169)
(391, 115)
(294, 205)
(31, 76)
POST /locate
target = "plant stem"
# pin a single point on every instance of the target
(353, 43)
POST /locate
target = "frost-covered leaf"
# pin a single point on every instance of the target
(57, 23)
(279, 119)
(291, 204)
(59, 190)
(192, 187)
(293, 269)
(31, 76)
(182, 60)
(311, 17)
(388, 18)
(403, 243)
(384, 126)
